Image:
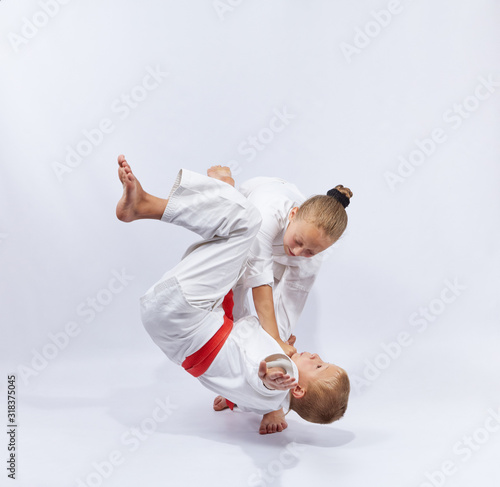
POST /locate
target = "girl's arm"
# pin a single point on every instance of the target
(264, 305)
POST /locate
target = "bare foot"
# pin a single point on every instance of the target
(135, 203)
(222, 173)
(220, 403)
(273, 422)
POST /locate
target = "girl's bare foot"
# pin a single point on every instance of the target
(273, 422)
(222, 173)
(135, 203)
(220, 403)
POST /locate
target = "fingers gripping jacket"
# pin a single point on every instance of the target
(280, 360)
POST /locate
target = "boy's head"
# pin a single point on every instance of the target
(322, 392)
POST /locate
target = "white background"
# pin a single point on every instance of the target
(353, 114)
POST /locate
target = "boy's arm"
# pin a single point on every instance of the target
(264, 305)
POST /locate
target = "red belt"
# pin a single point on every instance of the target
(199, 362)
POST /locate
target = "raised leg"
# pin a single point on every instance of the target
(135, 203)
(182, 310)
(225, 219)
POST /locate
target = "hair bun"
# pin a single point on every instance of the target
(342, 194)
(345, 191)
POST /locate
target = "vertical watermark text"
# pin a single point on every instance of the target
(11, 427)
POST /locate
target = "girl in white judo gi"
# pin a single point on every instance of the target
(182, 312)
(286, 255)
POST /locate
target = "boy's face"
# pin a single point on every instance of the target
(312, 368)
(303, 239)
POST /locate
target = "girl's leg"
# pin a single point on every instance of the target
(136, 204)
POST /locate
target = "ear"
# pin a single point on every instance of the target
(293, 212)
(298, 392)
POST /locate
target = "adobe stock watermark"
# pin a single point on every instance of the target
(40, 19)
(131, 440)
(255, 143)
(274, 469)
(463, 450)
(224, 7)
(12, 425)
(59, 341)
(420, 321)
(454, 117)
(364, 35)
(121, 106)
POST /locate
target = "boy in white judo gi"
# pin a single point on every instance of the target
(183, 311)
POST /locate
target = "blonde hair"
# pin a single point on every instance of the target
(326, 213)
(325, 400)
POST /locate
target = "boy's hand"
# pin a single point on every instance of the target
(287, 347)
(275, 378)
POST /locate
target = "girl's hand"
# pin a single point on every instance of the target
(288, 348)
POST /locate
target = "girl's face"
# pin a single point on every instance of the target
(304, 239)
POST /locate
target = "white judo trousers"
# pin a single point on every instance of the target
(188, 297)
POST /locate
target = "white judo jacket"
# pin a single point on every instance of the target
(290, 277)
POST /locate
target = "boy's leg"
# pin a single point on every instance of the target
(209, 207)
(227, 222)
(180, 311)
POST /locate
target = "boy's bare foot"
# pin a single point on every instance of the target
(273, 422)
(220, 403)
(222, 173)
(135, 203)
